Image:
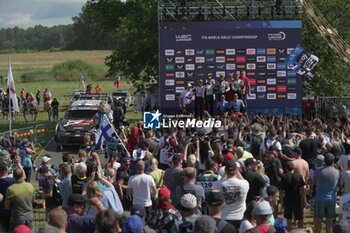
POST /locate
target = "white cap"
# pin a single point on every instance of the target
(46, 159)
(189, 85)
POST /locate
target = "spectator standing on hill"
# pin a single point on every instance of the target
(48, 108)
(25, 109)
(55, 104)
(46, 96)
(2, 79)
(81, 81)
(98, 89)
(117, 81)
(37, 96)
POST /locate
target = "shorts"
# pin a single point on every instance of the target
(324, 210)
(289, 209)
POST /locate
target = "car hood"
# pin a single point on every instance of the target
(78, 125)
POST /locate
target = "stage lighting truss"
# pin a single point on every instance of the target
(208, 10)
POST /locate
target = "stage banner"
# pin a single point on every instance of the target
(195, 50)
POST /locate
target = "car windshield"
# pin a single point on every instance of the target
(119, 94)
(80, 114)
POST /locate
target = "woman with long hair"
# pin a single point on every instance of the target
(248, 221)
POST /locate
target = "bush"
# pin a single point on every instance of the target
(72, 69)
(35, 76)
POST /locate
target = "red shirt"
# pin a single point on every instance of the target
(262, 229)
(98, 89)
(246, 82)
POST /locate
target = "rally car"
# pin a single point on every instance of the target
(81, 95)
(77, 122)
(123, 96)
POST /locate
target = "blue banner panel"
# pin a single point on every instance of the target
(195, 50)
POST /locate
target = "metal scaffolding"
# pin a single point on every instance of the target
(215, 10)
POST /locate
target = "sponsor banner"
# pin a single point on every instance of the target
(261, 58)
(169, 97)
(169, 52)
(281, 73)
(271, 96)
(252, 96)
(261, 88)
(193, 50)
(240, 59)
(179, 74)
(190, 67)
(271, 59)
(261, 51)
(169, 82)
(281, 88)
(230, 66)
(230, 51)
(250, 52)
(271, 81)
(251, 66)
(291, 96)
(189, 52)
(252, 81)
(200, 59)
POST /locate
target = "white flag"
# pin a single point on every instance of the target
(12, 90)
(104, 132)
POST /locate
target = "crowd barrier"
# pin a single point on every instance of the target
(28, 131)
(67, 79)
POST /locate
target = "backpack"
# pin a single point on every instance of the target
(46, 95)
(186, 226)
(271, 230)
(255, 146)
(57, 198)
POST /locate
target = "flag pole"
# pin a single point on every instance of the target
(116, 133)
(10, 123)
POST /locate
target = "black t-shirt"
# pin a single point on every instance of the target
(346, 147)
(256, 182)
(291, 183)
(309, 148)
(122, 176)
(271, 169)
(78, 183)
(228, 228)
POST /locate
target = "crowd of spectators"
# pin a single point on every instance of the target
(236, 178)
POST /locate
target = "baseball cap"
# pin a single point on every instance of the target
(341, 226)
(281, 225)
(230, 143)
(262, 207)
(77, 199)
(205, 223)
(164, 194)
(188, 203)
(189, 85)
(26, 142)
(5, 154)
(250, 161)
(138, 210)
(239, 151)
(3, 166)
(215, 198)
(230, 165)
(177, 158)
(289, 165)
(319, 160)
(133, 224)
(46, 159)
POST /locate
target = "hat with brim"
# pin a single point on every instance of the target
(188, 203)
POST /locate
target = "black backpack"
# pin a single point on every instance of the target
(57, 198)
(255, 147)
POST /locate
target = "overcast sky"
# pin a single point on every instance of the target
(28, 13)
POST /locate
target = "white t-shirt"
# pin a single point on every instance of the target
(344, 207)
(141, 189)
(345, 180)
(186, 96)
(222, 171)
(235, 192)
(245, 225)
(269, 143)
(343, 161)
